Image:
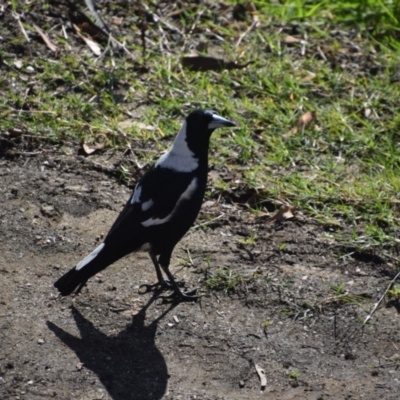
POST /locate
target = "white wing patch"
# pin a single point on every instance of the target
(90, 257)
(186, 195)
(147, 204)
(179, 158)
(145, 247)
(136, 194)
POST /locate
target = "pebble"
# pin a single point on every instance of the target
(40, 341)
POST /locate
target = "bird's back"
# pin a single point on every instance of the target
(167, 206)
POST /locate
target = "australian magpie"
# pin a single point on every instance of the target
(161, 209)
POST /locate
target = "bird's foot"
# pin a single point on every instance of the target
(164, 284)
(179, 295)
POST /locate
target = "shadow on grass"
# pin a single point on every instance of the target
(128, 365)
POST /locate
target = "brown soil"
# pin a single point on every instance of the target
(112, 343)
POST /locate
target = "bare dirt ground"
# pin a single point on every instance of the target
(112, 343)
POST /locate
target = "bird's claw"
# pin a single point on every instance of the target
(180, 295)
(165, 284)
(149, 287)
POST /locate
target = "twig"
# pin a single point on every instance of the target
(197, 19)
(99, 21)
(46, 39)
(250, 28)
(143, 27)
(377, 304)
(256, 21)
(158, 17)
(115, 41)
(27, 153)
(392, 364)
(100, 167)
(32, 111)
(208, 222)
(190, 258)
(18, 18)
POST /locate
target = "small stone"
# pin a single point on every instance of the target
(40, 341)
(241, 384)
(48, 210)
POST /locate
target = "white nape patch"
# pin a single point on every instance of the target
(179, 158)
(147, 204)
(90, 257)
(136, 194)
(186, 195)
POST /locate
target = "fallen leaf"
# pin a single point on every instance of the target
(203, 63)
(133, 122)
(117, 20)
(208, 203)
(262, 376)
(94, 46)
(18, 64)
(284, 213)
(301, 123)
(46, 39)
(310, 77)
(90, 149)
(291, 39)
(306, 118)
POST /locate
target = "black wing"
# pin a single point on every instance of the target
(160, 189)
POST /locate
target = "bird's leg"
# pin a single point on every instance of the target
(162, 283)
(160, 278)
(80, 287)
(188, 296)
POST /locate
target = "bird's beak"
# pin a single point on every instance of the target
(218, 122)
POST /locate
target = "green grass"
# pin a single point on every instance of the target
(294, 374)
(224, 279)
(343, 170)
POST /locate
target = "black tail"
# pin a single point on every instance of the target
(68, 282)
(78, 276)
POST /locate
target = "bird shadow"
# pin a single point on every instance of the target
(129, 365)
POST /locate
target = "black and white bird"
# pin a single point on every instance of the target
(161, 209)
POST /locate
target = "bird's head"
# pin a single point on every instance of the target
(191, 144)
(206, 120)
(199, 126)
